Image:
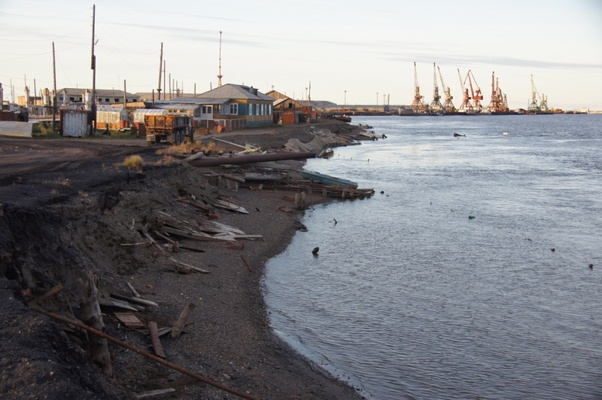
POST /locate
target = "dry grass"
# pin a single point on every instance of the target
(186, 148)
(134, 162)
(58, 181)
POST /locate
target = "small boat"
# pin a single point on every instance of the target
(327, 179)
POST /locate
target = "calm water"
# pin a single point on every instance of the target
(411, 297)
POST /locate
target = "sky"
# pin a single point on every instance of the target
(348, 52)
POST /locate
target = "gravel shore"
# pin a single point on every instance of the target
(98, 227)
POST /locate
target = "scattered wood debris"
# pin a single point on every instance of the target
(129, 319)
(154, 334)
(153, 393)
(177, 329)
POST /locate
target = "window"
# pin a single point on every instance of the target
(206, 110)
(233, 109)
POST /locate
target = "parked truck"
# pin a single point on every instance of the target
(168, 128)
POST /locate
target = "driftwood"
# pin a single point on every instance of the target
(185, 247)
(49, 293)
(180, 266)
(146, 354)
(91, 316)
(181, 322)
(192, 234)
(154, 334)
(134, 292)
(124, 305)
(244, 260)
(129, 320)
(137, 300)
(153, 393)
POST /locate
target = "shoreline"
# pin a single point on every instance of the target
(229, 339)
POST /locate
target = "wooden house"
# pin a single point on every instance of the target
(288, 111)
(232, 107)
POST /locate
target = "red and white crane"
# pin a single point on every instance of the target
(466, 105)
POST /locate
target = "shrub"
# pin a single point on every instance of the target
(133, 162)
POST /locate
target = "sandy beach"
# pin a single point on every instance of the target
(58, 224)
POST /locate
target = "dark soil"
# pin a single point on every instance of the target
(68, 207)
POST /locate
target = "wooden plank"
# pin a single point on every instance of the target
(228, 205)
(123, 304)
(244, 260)
(181, 322)
(134, 292)
(153, 393)
(154, 334)
(191, 235)
(137, 300)
(188, 266)
(129, 320)
(49, 293)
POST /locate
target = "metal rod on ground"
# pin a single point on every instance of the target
(146, 354)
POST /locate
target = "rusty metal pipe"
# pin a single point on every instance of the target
(145, 354)
(236, 160)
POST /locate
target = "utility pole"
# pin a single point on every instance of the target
(160, 68)
(219, 74)
(54, 92)
(93, 105)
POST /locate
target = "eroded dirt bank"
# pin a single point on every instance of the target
(92, 215)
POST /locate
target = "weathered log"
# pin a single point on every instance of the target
(181, 322)
(134, 292)
(244, 260)
(137, 300)
(91, 316)
(146, 354)
(153, 393)
(154, 334)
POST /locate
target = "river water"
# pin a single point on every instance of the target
(467, 274)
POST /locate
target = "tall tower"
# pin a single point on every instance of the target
(219, 74)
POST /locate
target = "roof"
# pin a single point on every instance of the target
(105, 108)
(193, 100)
(99, 92)
(287, 99)
(177, 105)
(233, 91)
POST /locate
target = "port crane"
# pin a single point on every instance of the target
(418, 105)
(466, 105)
(533, 107)
(448, 106)
(543, 104)
(499, 102)
(477, 96)
(436, 107)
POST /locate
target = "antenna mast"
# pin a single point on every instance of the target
(219, 74)
(93, 105)
(160, 68)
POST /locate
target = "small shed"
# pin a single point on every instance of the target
(111, 118)
(75, 123)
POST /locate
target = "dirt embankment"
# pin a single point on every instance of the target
(92, 215)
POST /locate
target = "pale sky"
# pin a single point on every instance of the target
(353, 52)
